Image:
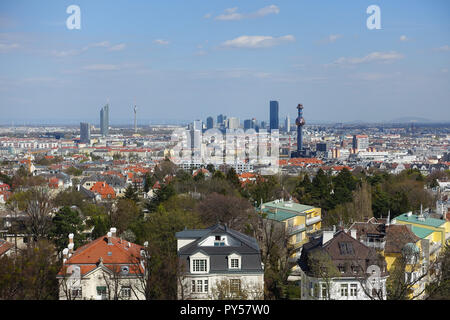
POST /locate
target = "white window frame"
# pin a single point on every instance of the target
(199, 256)
(344, 289)
(353, 290)
(199, 285)
(234, 256)
(125, 292)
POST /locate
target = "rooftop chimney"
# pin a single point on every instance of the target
(70, 246)
(109, 238)
(113, 232)
(353, 233)
(65, 252)
(327, 236)
(71, 238)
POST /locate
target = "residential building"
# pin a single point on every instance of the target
(360, 142)
(219, 263)
(298, 220)
(336, 266)
(108, 268)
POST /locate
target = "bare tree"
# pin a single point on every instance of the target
(234, 289)
(322, 267)
(39, 213)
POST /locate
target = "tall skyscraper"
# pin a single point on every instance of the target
(104, 120)
(197, 125)
(287, 124)
(274, 115)
(209, 123)
(233, 123)
(220, 119)
(249, 124)
(85, 132)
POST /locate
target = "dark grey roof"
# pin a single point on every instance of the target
(248, 249)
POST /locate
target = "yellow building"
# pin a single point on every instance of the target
(299, 220)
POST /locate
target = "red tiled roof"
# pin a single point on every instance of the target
(118, 252)
(5, 246)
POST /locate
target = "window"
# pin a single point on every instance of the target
(125, 292)
(316, 290)
(291, 223)
(298, 237)
(346, 248)
(101, 291)
(218, 242)
(324, 290)
(199, 265)
(355, 269)
(199, 286)
(234, 263)
(344, 290)
(341, 269)
(235, 285)
(353, 290)
(77, 292)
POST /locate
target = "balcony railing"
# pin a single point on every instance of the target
(313, 220)
(375, 244)
(296, 228)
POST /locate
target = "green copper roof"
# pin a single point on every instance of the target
(421, 232)
(288, 206)
(430, 222)
(279, 216)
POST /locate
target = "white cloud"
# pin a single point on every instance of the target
(74, 52)
(161, 42)
(256, 41)
(232, 14)
(117, 47)
(403, 38)
(445, 48)
(371, 57)
(8, 47)
(101, 67)
(333, 37)
(207, 16)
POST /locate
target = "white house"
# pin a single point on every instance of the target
(219, 263)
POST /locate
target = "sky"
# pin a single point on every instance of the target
(183, 60)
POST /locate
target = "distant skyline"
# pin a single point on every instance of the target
(184, 60)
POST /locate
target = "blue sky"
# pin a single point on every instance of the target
(186, 60)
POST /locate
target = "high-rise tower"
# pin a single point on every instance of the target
(85, 132)
(274, 115)
(300, 122)
(301, 152)
(104, 120)
(135, 120)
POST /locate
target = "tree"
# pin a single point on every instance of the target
(233, 178)
(233, 211)
(38, 212)
(225, 289)
(31, 275)
(131, 193)
(323, 268)
(64, 222)
(124, 212)
(439, 287)
(163, 194)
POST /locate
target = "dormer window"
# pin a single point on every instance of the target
(219, 241)
(234, 261)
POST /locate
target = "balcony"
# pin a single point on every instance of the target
(313, 220)
(378, 245)
(295, 229)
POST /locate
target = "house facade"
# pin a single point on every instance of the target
(108, 268)
(219, 263)
(336, 266)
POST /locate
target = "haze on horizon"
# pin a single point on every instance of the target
(190, 60)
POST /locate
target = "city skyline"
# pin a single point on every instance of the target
(230, 56)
